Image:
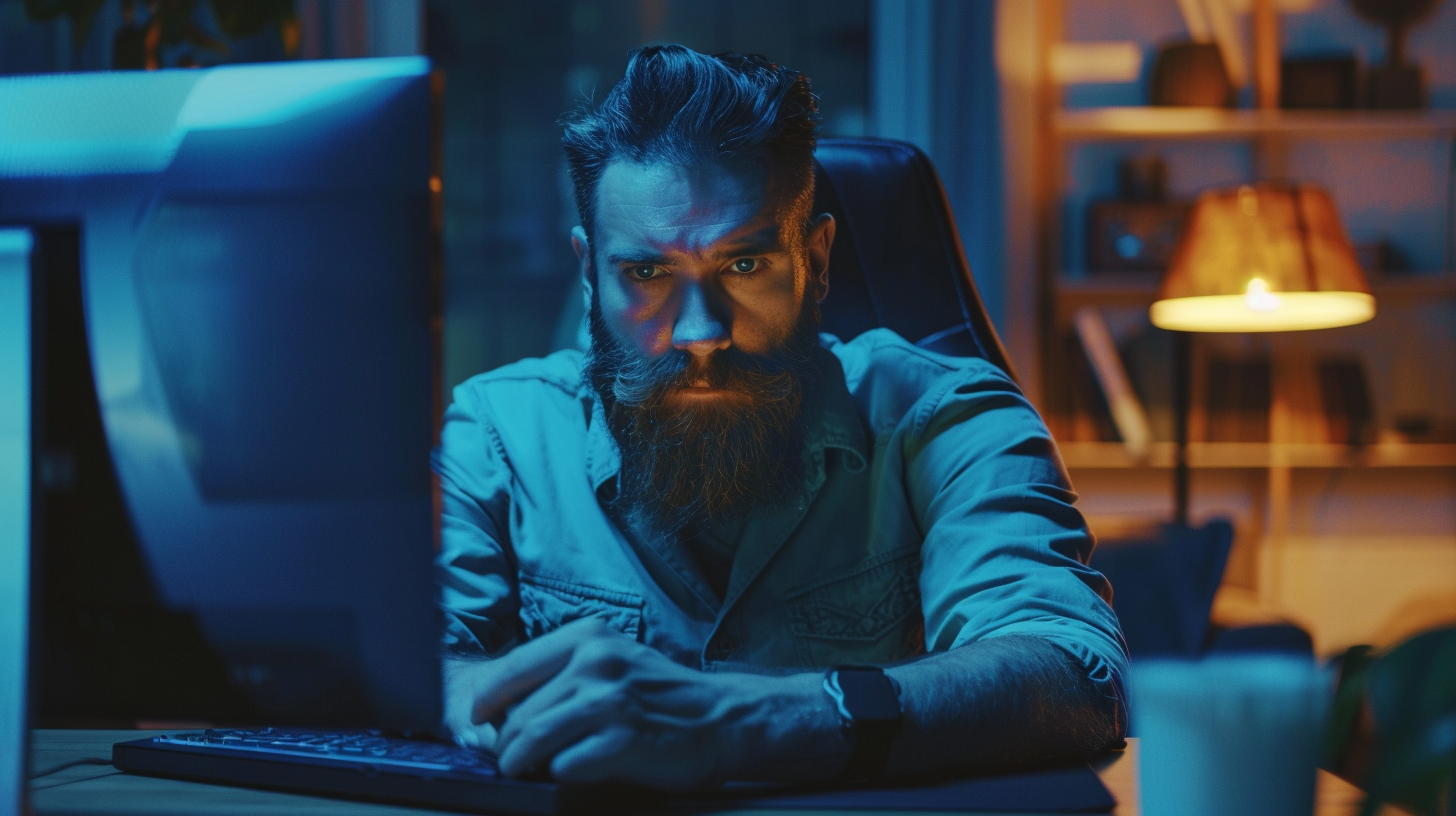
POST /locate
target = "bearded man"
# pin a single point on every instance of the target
(720, 546)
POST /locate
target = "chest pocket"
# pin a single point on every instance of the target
(550, 603)
(871, 613)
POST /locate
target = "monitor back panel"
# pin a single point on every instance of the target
(15, 506)
(256, 298)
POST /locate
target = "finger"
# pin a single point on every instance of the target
(597, 758)
(596, 664)
(556, 692)
(548, 732)
(526, 667)
(479, 737)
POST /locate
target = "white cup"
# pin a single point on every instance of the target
(1228, 736)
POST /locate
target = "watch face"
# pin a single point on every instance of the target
(869, 695)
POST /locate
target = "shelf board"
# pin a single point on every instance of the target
(1220, 123)
(1135, 288)
(1209, 455)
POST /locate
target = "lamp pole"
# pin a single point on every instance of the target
(1182, 406)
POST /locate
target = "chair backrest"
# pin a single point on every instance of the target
(897, 260)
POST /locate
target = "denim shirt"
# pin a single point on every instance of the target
(934, 512)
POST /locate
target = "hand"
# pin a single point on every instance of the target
(463, 679)
(596, 706)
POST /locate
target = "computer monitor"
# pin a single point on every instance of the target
(14, 510)
(234, 370)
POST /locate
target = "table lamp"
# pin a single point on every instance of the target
(1262, 258)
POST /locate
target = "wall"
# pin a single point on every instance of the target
(511, 71)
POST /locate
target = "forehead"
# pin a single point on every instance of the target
(669, 206)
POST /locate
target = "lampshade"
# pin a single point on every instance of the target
(1263, 258)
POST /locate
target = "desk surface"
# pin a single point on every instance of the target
(101, 789)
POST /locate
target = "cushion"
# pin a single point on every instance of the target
(1163, 582)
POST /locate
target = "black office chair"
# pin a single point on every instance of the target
(897, 260)
(897, 263)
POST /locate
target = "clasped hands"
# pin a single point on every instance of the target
(594, 706)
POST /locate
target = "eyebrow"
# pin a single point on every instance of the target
(756, 244)
(764, 240)
(633, 256)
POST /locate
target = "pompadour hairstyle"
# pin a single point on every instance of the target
(677, 105)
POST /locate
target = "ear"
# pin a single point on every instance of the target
(582, 248)
(820, 239)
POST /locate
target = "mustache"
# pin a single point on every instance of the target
(768, 377)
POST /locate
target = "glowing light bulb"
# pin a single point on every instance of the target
(1258, 296)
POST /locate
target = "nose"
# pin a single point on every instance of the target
(700, 329)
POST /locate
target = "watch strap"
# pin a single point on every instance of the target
(869, 708)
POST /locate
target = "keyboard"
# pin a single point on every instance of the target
(369, 765)
(360, 747)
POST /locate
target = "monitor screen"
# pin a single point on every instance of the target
(239, 281)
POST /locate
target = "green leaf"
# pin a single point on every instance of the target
(1412, 695)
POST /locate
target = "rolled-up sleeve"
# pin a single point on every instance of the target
(1005, 552)
(474, 572)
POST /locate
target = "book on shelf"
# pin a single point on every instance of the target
(1301, 418)
(1147, 355)
(1124, 394)
(1237, 398)
(1079, 412)
(1345, 394)
(1123, 406)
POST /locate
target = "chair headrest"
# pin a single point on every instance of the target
(897, 260)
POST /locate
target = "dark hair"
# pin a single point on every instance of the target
(677, 105)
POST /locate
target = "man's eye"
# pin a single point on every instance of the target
(745, 265)
(644, 272)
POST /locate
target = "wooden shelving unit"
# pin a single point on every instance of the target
(1139, 288)
(1095, 124)
(1271, 133)
(1261, 455)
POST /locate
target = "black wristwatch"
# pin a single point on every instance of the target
(869, 710)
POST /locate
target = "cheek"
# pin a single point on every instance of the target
(635, 316)
(765, 314)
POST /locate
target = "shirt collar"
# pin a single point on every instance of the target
(834, 423)
(603, 460)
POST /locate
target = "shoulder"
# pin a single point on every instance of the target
(556, 373)
(523, 388)
(892, 379)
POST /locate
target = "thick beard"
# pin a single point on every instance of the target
(687, 463)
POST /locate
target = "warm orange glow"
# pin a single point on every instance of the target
(1291, 311)
(1263, 258)
(1258, 297)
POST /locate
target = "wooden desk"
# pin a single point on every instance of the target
(101, 789)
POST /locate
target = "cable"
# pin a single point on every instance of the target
(64, 782)
(72, 764)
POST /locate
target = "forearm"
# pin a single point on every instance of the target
(990, 704)
(998, 702)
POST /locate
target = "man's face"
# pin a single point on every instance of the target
(699, 260)
(704, 322)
